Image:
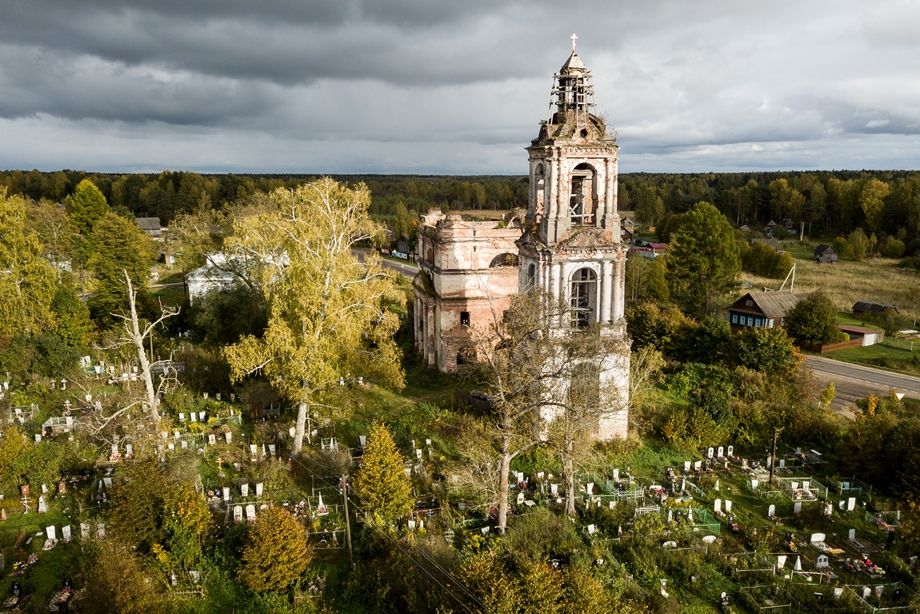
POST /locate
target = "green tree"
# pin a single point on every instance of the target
(381, 483)
(645, 280)
(871, 201)
(857, 245)
(119, 247)
(813, 321)
(27, 281)
(137, 502)
(329, 311)
(649, 205)
(785, 200)
(86, 206)
(276, 551)
(765, 349)
(703, 261)
(187, 521)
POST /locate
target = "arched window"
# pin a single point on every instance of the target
(531, 276)
(539, 192)
(583, 298)
(582, 192)
(506, 259)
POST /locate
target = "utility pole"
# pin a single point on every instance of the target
(351, 558)
(773, 454)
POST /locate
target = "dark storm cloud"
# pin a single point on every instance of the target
(432, 86)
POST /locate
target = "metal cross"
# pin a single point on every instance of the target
(574, 38)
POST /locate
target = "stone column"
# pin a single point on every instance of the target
(606, 290)
(619, 289)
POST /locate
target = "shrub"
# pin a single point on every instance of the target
(891, 247)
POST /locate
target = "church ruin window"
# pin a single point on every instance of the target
(464, 318)
(539, 187)
(505, 259)
(531, 276)
(582, 194)
(583, 298)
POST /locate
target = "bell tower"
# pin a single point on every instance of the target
(571, 246)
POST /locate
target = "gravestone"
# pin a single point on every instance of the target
(687, 465)
(798, 563)
(771, 511)
(203, 416)
(698, 465)
(780, 561)
(716, 487)
(728, 506)
(183, 444)
(244, 488)
(822, 562)
(237, 514)
(590, 488)
(591, 529)
(38, 438)
(51, 533)
(194, 416)
(228, 437)
(797, 508)
(226, 493)
(852, 535)
(100, 530)
(259, 487)
(866, 592)
(755, 484)
(84, 531)
(66, 533)
(721, 452)
(272, 449)
(129, 450)
(171, 446)
(554, 490)
(412, 524)
(362, 440)
(717, 506)
(782, 463)
(520, 498)
(851, 504)
(42, 505)
(616, 474)
(250, 513)
(212, 439)
(177, 435)
(731, 451)
(710, 452)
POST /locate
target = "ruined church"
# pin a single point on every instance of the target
(568, 244)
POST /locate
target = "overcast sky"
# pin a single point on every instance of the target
(428, 86)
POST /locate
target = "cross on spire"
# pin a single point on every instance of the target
(574, 38)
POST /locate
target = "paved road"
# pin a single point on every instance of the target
(856, 381)
(406, 269)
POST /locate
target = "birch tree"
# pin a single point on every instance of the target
(328, 311)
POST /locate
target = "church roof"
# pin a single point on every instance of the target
(574, 63)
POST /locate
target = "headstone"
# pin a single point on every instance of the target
(253, 449)
(797, 508)
(100, 530)
(591, 529)
(866, 592)
(782, 463)
(233, 397)
(771, 511)
(107, 482)
(731, 451)
(292, 432)
(194, 416)
(687, 465)
(244, 488)
(717, 506)
(177, 435)
(755, 484)
(698, 465)
(817, 538)
(228, 437)
(362, 440)
(321, 508)
(838, 592)
(721, 452)
(184, 444)
(616, 474)
(51, 533)
(66, 534)
(822, 562)
(554, 490)
(237, 514)
(84, 530)
(259, 487)
(171, 446)
(590, 488)
(38, 438)
(780, 561)
(728, 506)
(709, 539)
(203, 416)
(710, 452)
(412, 524)
(798, 563)
(42, 506)
(250, 513)
(520, 498)
(129, 450)
(44, 488)
(851, 535)
(851, 504)
(226, 493)
(272, 449)
(212, 439)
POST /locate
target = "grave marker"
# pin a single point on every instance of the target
(710, 452)
(259, 487)
(66, 533)
(771, 511)
(721, 452)
(797, 508)
(851, 504)
(780, 561)
(244, 488)
(822, 562)
(84, 530)
(237, 514)
(717, 506)
(728, 506)
(250, 513)
(226, 493)
(100, 530)
(731, 451)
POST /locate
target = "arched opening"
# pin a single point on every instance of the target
(583, 298)
(531, 276)
(582, 191)
(506, 259)
(539, 192)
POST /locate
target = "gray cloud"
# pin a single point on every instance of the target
(423, 86)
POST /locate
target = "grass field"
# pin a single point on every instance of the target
(877, 280)
(882, 355)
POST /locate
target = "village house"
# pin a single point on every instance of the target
(825, 253)
(761, 309)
